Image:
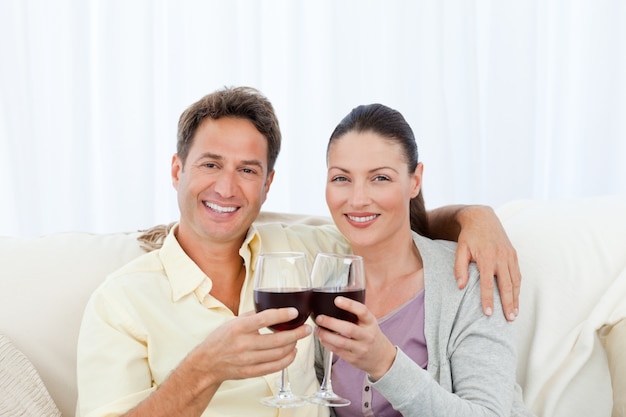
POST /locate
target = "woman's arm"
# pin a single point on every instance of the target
(474, 368)
(482, 239)
(471, 366)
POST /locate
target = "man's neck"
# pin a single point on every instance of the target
(221, 262)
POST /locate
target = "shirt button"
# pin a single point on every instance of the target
(367, 389)
(366, 405)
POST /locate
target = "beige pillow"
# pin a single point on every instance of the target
(571, 253)
(22, 393)
(614, 342)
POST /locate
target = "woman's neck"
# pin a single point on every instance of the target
(392, 278)
(390, 262)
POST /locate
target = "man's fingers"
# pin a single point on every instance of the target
(505, 286)
(486, 291)
(256, 363)
(462, 260)
(509, 280)
(516, 279)
(285, 338)
(250, 324)
(253, 322)
(265, 368)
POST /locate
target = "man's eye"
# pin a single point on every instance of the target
(208, 165)
(248, 170)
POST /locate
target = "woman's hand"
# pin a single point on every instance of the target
(363, 345)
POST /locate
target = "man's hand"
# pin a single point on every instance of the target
(482, 239)
(235, 350)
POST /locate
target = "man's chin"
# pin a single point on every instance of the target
(233, 226)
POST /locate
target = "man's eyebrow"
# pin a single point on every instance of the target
(209, 155)
(252, 162)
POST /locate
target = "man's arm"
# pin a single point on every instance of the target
(235, 350)
(481, 238)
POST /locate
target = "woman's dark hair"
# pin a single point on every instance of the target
(238, 102)
(390, 124)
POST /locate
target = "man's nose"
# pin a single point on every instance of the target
(225, 183)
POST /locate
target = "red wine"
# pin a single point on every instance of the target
(284, 297)
(323, 302)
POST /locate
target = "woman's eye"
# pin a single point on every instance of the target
(339, 179)
(381, 178)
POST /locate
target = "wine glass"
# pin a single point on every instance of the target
(333, 275)
(282, 279)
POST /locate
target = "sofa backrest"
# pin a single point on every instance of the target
(44, 287)
(572, 254)
(573, 260)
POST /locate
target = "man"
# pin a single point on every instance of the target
(173, 333)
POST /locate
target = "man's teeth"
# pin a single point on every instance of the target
(220, 209)
(362, 219)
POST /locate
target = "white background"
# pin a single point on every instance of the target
(508, 99)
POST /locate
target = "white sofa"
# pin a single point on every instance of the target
(571, 329)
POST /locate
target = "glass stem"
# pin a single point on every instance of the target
(285, 387)
(327, 385)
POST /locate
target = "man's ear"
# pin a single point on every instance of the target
(268, 183)
(177, 168)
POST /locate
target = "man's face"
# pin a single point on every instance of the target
(223, 183)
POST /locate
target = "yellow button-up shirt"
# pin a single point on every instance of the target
(146, 317)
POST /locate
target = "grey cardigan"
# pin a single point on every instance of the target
(471, 357)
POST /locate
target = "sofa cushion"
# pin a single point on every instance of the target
(46, 284)
(571, 253)
(22, 393)
(614, 341)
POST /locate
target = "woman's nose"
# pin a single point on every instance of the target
(360, 195)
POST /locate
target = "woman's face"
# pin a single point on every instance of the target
(368, 188)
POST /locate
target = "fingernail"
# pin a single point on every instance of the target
(293, 312)
(488, 311)
(512, 316)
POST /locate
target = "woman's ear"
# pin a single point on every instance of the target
(416, 179)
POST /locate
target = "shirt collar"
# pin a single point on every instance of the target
(184, 274)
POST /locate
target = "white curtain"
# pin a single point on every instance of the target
(508, 99)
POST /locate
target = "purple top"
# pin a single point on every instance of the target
(404, 327)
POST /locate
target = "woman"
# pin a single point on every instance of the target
(421, 346)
